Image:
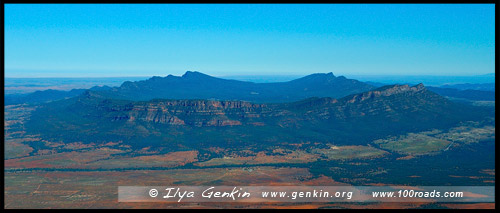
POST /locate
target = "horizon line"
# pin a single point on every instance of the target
(248, 75)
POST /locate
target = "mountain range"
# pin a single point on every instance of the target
(196, 85)
(197, 111)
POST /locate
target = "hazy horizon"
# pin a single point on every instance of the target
(249, 75)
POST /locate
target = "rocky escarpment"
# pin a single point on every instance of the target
(193, 112)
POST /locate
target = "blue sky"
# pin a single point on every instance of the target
(73, 40)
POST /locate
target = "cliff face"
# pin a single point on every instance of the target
(192, 112)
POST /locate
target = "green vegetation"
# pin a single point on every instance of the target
(431, 141)
(290, 157)
(469, 134)
(413, 144)
(350, 152)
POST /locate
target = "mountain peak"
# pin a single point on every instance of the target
(190, 74)
(317, 77)
(155, 78)
(327, 75)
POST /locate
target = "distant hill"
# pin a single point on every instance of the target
(46, 95)
(482, 87)
(196, 85)
(469, 94)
